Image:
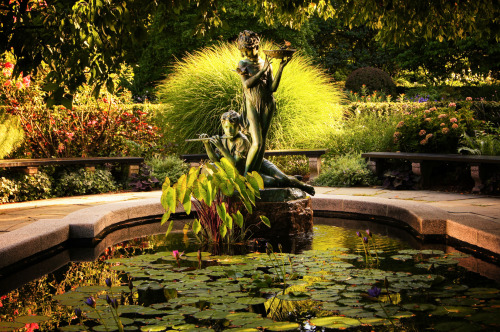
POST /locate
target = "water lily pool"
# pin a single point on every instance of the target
(331, 279)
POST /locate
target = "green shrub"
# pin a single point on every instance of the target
(33, 187)
(204, 85)
(484, 142)
(8, 190)
(22, 187)
(168, 166)
(11, 133)
(83, 182)
(372, 78)
(345, 171)
(291, 165)
(364, 132)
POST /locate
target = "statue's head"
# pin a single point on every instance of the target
(248, 40)
(230, 123)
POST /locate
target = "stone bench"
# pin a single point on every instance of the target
(30, 166)
(376, 163)
(314, 157)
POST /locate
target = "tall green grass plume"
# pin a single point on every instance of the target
(204, 85)
(11, 134)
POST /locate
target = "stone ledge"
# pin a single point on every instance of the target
(87, 223)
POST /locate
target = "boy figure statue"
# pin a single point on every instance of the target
(234, 146)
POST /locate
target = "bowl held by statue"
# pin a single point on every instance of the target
(279, 54)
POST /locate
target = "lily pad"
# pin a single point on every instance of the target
(283, 326)
(335, 322)
(419, 306)
(251, 300)
(453, 311)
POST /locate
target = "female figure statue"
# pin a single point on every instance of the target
(258, 88)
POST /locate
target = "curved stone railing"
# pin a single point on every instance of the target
(89, 222)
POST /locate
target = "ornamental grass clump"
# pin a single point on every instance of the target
(204, 85)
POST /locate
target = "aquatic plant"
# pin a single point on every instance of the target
(217, 191)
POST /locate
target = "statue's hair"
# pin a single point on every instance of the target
(231, 116)
(248, 39)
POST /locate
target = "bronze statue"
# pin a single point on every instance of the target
(258, 100)
(245, 154)
(235, 146)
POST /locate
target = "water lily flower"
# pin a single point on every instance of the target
(175, 253)
(108, 282)
(90, 302)
(374, 291)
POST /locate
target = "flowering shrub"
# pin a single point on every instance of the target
(435, 129)
(91, 128)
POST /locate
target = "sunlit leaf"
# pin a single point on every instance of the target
(196, 226)
(265, 221)
(228, 168)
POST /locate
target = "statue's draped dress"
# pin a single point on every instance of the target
(259, 98)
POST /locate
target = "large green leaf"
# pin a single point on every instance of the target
(238, 218)
(192, 175)
(181, 187)
(223, 230)
(165, 217)
(196, 226)
(186, 203)
(170, 199)
(221, 211)
(266, 221)
(229, 168)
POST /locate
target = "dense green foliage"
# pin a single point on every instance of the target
(372, 78)
(363, 132)
(83, 182)
(345, 171)
(11, 133)
(76, 38)
(167, 166)
(172, 35)
(204, 85)
(22, 187)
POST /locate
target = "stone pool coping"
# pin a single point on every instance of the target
(422, 218)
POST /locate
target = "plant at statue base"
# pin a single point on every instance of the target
(217, 192)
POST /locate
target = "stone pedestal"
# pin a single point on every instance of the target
(288, 209)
